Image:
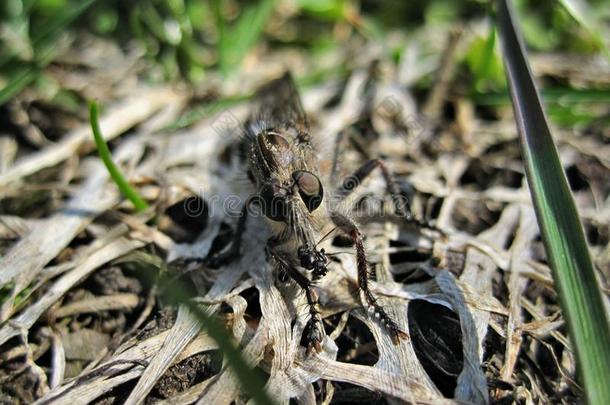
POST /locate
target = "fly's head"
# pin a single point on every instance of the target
(290, 191)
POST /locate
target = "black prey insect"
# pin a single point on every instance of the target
(283, 166)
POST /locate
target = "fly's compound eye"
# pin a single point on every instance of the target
(273, 202)
(310, 188)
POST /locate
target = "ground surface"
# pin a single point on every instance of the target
(84, 314)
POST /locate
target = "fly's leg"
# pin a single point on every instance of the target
(377, 310)
(314, 329)
(401, 203)
(349, 227)
(358, 143)
(335, 161)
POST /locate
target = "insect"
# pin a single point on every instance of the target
(283, 166)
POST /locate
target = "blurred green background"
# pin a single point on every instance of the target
(185, 40)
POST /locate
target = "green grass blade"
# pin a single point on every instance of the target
(42, 41)
(234, 42)
(60, 21)
(45, 34)
(582, 13)
(175, 290)
(114, 171)
(251, 380)
(485, 63)
(17, 83)
(564, 96)
(561, 229)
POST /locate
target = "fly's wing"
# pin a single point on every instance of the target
(279, 106)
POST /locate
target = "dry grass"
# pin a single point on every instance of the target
(83, 323)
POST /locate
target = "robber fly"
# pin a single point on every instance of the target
(283, 166)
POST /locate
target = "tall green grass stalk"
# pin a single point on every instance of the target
(114, 171)
(562, 232)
